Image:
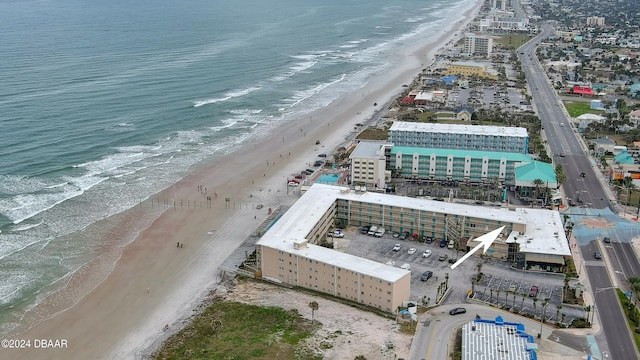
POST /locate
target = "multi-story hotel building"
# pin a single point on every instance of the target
(471, 68)
(464, 165)
(368, 166)
(288, 252)
(595, 20)
(459, 137)
(475, 44)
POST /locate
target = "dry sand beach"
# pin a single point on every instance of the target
(155, 283)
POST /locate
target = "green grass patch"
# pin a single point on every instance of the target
(512, 41)
(632, 314)
(232, 330)
(373, 134)
(577, 108)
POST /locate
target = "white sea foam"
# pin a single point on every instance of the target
(310, 60)
(227, 96)
(302, 95)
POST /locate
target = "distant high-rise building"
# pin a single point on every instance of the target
(499, 4)
(595, 20)
(477, 44)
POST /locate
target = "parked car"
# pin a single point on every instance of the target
(405, 266)
(597, 255)
(338, 233)
(442, 257)
(607, 240)
(426, 275)
(456, 311)
(397, 247)
(322, 155)
(404, 235)
(533, 291)
(391, 263)
(451, 244)
(412, 251)
(429, 239)
(426, 253)
(443, 243)
(396, 234)
(364, 229)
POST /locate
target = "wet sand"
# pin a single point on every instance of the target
(156, 283)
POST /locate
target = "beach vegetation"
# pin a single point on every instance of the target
(233, 330)
(512, 41)
(372, 133)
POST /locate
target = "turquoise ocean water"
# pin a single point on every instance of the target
(103, 104)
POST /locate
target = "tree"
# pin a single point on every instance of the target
(538, 183)
(314, 306)
(561, 177)
(558, 307)
(360, 357)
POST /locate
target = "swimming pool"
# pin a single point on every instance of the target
(328, 178)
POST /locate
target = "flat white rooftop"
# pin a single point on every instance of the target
(459, 129)
(369, 150)
(544, 232)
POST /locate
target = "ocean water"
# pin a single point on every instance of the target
(103, 104)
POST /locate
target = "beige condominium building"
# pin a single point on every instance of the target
(288, 253)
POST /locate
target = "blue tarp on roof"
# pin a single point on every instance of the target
(449, 79)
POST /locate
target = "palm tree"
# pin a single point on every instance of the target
(535, 303)
(558, 307)
(538, 183)
(360, 357)
(522, 303)
(491, 298)
(544, 309)
(514, 299)
(314, 306)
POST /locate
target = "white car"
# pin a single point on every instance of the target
(397, 247)
(412, 251)
(426, 253)
(293, 183)
(391, 263)
(338, 233)
(405, 266)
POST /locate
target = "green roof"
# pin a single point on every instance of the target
(536, 170)
(462, 153)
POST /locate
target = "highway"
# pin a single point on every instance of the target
(588, 191)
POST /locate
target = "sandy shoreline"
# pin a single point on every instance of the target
(155, 283)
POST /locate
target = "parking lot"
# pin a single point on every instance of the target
(381, 250)
(498, 285)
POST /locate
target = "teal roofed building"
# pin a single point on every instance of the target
(532, 178)
(470, 166)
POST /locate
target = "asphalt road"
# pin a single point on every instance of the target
(436, 331)
(587, 191)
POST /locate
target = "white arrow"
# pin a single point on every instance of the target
(485, 241)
